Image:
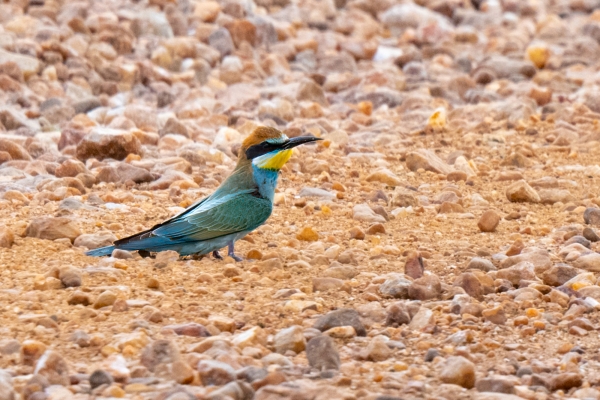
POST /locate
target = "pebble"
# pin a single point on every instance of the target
(397, 314)
(7, 391)
(53, 367)
(100, 377)
(521, 192)
(385, 176)
(489, 221)
(70, 276)
(495, 315)
(590, 235)
(341, 317)
(104, 142)
(291, 338)
(322, 353)
(588, 262)
(215, 373)
(52, 228)
(79, 297)
(7, 238)
(414, 266)
(425, 288)
(458, 370)
(190, 329)
(558, 275)
(496, 384)
(427, 160)
(422, 319)
(591, 216)
(364, 213)
(105, 299)
(158, 352)
(395, 288)
(308, 234)
(377, 350)
(481, 264)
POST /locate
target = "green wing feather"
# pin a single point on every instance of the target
(229, 214)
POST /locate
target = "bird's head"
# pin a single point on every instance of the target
(268, 148)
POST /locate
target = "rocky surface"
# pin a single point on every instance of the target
(440, 242)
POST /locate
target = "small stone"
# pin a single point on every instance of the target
(588, 233)
(403, 197)
(521, 192)
(221, 41)
(251, 337)
(489, 221)
(376, 229)
(470, 284)
(327, 284)
(376, 351)
(53, 228)
(552, 196)
(100, 377)
(362, 212)
(422, 319)
(357, 233)
(7, 391)
(70, 276)
(431, 355)
(481, 264)
(515, 248)
(588, 262)
(159, 352)
(341, 332)
(153, 283)
(308, 90)
(456, 176)
(565, 381)
(591, 216)
(190, 329)
(425, 288)
(341, 317)
(105, 299)
(81, 338)
(182, 373)
(308, 234)
(53, 367)
(494, 315)
(458, 371)
(427, 160)
(496, 384)
(79, 297)
(384, 176)
(559, 274)
(322, 353)
(291, 338)
(215, 373)
(6, 237)
(103, 143)
(414, 266)
(397, 314)
(395, 288)
(31, 351)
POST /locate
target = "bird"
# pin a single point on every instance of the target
(242, 203)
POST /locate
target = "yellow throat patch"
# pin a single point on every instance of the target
(275, 161)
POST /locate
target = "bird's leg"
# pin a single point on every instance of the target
(217, 255)
(231, 253)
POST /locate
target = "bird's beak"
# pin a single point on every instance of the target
(297, 141)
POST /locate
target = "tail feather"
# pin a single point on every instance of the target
(101, 251)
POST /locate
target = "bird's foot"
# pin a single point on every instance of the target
(145, 254)
(231, 252)
(217, 255)
(236, 258)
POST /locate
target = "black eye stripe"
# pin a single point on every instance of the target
(260, 149)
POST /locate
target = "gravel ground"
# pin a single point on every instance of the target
(439, 243)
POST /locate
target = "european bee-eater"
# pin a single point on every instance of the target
(242, 203)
